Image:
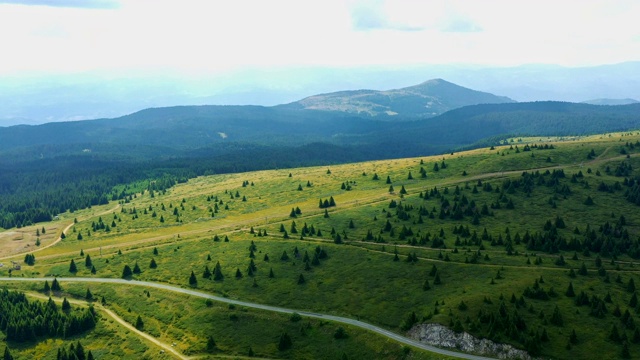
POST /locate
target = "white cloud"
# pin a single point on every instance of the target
(194, 36)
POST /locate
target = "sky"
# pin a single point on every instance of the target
(213, 37)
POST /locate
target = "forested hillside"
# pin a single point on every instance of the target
(51, 168)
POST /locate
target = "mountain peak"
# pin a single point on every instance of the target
(427, 99)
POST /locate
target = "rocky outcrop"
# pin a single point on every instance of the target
(441, 336)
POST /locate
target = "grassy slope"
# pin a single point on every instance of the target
(359, 279)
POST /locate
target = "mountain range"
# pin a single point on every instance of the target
(50, 168)
(431, 117)
(36, 98)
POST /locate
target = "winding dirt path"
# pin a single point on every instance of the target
(65, 230)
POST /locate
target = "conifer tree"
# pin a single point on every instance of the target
(570, 292)
(126, 272)
(7, 354)
(573, 338)
(139, 323)
(285, 342)
(207, 273)
(66, 306)
(55, 285)
(72, 267)
(583, 269)
(211, 344)
(426, 286)
(193, 281)
(217, 272)
(437, 280)
(153, 264)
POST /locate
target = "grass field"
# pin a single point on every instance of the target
(473, 244)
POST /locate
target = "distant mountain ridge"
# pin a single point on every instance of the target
(428, 99)
(611, 101)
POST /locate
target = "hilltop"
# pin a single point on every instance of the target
(428, 99)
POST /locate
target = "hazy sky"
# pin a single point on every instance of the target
(190, 36)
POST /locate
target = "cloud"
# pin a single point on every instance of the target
(461, 25)
(373, 16)
(83, 4)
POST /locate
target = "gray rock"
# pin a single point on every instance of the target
(441, 336)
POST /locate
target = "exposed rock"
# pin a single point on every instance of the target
(441, 336)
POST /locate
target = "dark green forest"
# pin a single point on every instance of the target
(22, 320)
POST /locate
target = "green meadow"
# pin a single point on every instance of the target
(534, 243)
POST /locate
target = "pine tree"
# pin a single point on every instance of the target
(136, 268)
(46, 287)
(207, 273)
(217, 272)
(426, 286)
(66, 306)
(631, 285)
(153, 264)
(271, 275)
(573, 338)
(583, 269)
(301, 279)
(126, 272)
(79, 351)
(570, 292)
(433, 271)
(7, 354)
(72, 267)
(139, 323)
(285, 342)
(88, 296)
(55, 285)
(193, 281)
(437, 280)
(625, 354)
(211, 344)
(556, 317)
(340, 333)
(87, 261)
(614, 335)
(238, 273)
